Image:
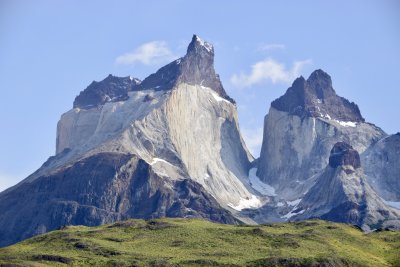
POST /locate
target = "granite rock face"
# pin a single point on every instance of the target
(342, 194)
(343, 154)
(110, 89)
(300, 130)
(102, 188)
(315, 97)
(311, 156)
(382, 167)
(171, 146)
(195, 68)
(127, 149)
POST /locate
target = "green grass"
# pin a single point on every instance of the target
(182, 242)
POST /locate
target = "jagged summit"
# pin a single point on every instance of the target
(112, 88)
(343, 154)
(315, 97)
(195, 68)
(197, 44)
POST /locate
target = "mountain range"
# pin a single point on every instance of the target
(170, 146)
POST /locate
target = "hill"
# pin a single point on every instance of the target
(183, 242)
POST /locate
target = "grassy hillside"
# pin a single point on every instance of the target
(180, 242)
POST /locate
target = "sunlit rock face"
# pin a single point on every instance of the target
(169, 145)
(300, 130)
(342, 194)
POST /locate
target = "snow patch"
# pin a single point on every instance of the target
(347, 123)
(248, 203)
(206, 45)
(258, 185)
(342, 123)
(326, 116)
(393, 204)
(291, 214)
(214, 94)
(280, 204)
(218, 98)
(294, 202)
(155, 160)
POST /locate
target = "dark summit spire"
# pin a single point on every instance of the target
(315, 97)
(195, 68)
(343, 154)
(197, 45)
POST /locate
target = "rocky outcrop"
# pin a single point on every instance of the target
(110, 89)
(195, 68)
(103, 188)
(342, 194)
(382, 167)
(301, 128)
(343, 154)
(315, 97)
(170, 146)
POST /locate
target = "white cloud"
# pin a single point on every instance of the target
(253, 139)
(151, 53)
(269, 70)
(268, 47)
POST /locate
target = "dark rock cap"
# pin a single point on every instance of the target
(343, 154)
(315, 97)
(196, 67)
(112, 88)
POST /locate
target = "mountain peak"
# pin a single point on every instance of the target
(197, 44)
(112, 88)
(343, 154)
(315, 97)
(195, 68)
(320, 76)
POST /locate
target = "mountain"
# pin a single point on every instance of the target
(300, 130)
(342, 194)
(310, 157)
(170, 146)
(381, 164)
(182, 242)
(167, 146)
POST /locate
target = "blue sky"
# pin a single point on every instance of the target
(51, 50)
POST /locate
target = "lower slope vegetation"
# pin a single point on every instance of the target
(183, 242)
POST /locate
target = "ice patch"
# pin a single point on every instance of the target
(206, 176)
(218, 98)
(291, 214)
(252, 202)
(214, 94)
(294, 202)
(206, 45)
(347, 123)
(155, 160)
(262, 188)
(326, 116)
(342, 123)
(393, 204)
(280, 204)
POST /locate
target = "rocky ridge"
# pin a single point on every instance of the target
(170, 145)
(178, 125)
(342, 194)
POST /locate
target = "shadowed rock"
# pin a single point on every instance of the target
(315, 97)
(344, 154)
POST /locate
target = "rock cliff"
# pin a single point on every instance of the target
(167, 146)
